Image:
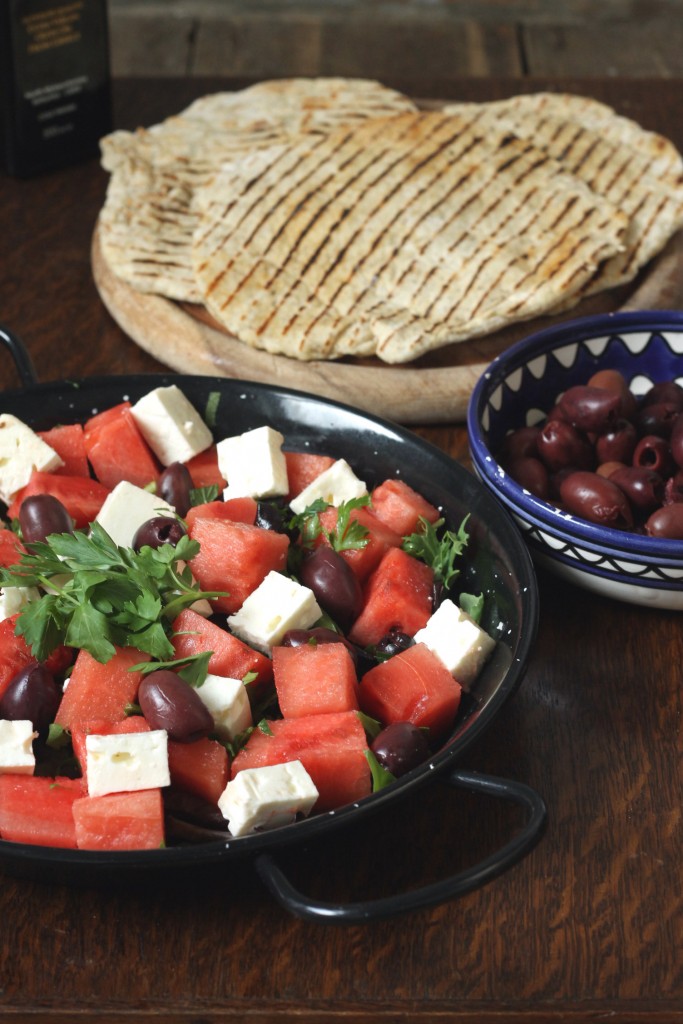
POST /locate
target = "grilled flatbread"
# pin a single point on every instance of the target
(147, 222)
(394, 237)
(637, 170)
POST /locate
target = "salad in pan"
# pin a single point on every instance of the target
(208, 636)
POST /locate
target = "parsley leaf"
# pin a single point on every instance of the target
(473, 604)
(380, 776)
(348, 533)
(101, 596)
(193, 669)
(203, 495)
(308, 522)
(211, 408)
(438, 551)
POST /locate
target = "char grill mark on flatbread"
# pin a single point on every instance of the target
(618, 159)
(388, 162)
(411, 238)
(189, 148)
(316, 202)
(525, 202)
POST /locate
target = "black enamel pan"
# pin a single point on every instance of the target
(497, 564)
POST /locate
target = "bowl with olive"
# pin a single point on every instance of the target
(578, 431)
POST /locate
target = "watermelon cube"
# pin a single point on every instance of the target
(235, 557)
(413, 686)
(120, 821)
(303, 468)
(379, 539)
(98, 691)
(331, 748)
(117, 450)
(235, 510)
(82, 497)
(69, 442)
(400, 507)
(201, 768)
(398, 595)
(204, 471)
(230, 656)
(314, 679)
(11, 548)
(39, 810)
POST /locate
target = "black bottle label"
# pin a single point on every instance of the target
(56, 87)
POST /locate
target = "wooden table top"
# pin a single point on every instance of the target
(588, 925)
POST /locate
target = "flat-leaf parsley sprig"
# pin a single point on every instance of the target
(100, 596)
(348, 533)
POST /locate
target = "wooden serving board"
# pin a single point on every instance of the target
(433, 389)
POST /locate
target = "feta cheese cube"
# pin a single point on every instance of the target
(126, 762)
(334, 485)
(269, 797)
(228, 701)
(461, 644)
(277, 604)
(15, 599)
(21, 451)
(171, 425)
(126, 508)
(16, 747)
(254, 464)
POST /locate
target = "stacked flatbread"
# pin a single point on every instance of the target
(327, 218)
(148, 219)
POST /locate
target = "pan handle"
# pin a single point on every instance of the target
(20, 355)
(428, 895)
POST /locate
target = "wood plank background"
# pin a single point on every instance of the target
(406, 39)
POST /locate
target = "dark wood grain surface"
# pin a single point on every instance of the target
(589, 926)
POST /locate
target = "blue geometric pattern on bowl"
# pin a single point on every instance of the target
(522, 385)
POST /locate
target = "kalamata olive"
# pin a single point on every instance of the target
(618, 443)
(400, 747)
(31, 695)
(596, 499)
(673, 489)
(641, 453)
(157, 531)
(560, 444)
(519, 444)
(531, 474)
(334, 583)
(393, 643)
(666, 522)
(274, 515)
(169, 703)
(607, 468)
(665, 391)
(319, 635)
(652, 452)
(676, 440)
(644, 488)
(613, 380)
(41, 515)
(657, 418)
(175, 484)
(590, 409)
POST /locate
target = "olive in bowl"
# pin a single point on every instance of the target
(521, 392)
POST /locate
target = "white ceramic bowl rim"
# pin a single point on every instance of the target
(609, 326)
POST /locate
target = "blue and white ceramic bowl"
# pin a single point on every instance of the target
(520, 387)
